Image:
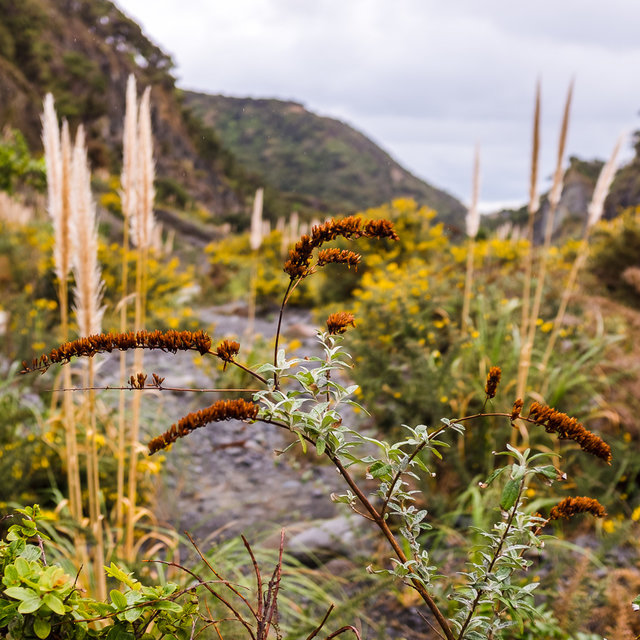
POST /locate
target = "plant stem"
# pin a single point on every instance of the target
(496, 555)
(275, 349)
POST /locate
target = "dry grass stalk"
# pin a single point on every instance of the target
(128, 181)
(255, 242)
(533, 207)
(595, 210)
(255, 236)
(57, 148)
(89, 285)
(89, 312)
(473, 224)
(142, 224)
(554, 198)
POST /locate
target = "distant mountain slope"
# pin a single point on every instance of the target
(317, 161)
(578, 186)
(83, 51)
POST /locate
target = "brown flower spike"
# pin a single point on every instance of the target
(217, 412)
(338, 322)
(171, 341)
(517, 408)
(326, 256)
(493, 379)
(352, 227)
(227, 350)
(571, 506)
(569, 428)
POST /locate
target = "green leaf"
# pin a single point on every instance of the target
(303, 442)
(510, 494)
(20, 593)
(54, 603)
(118, 599)
(320, 446)
(42, 628)
(493, 476)
(31, 604)
(127, 578)
(31, 552)
(167, 605)
(131, 615)
(11, 574)
(379, 469)
(548, 471)
(118, 633)
(22, 567)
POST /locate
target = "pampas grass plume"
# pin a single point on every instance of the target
(473, 215)
(89, 285)
(607, 173)
(142, 222)
(128, 178)
(255, 237)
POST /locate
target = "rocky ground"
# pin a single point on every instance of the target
(226, 478)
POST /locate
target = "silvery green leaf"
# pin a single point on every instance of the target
(509, 494)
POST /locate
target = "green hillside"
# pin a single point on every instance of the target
(316, 161)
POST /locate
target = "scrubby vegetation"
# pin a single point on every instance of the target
(469, 396)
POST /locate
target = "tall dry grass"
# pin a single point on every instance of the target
(128, 182)
(526, 347)
(472, 224)
(257, 232)
(142, 235)
(88, 309)
(57, 150)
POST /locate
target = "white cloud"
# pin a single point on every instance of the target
(424, 78)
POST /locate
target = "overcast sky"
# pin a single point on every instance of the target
(425, 79)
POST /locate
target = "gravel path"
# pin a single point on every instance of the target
(207, 485)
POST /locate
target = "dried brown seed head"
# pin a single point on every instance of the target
(493, 379)
(172, 341)
(569, 428)
(339, 322)
(217, 412)
(571, 506)
(517, 408)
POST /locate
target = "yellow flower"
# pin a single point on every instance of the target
(546, 327)
(635, 516)
(444, 399)
(609, 526)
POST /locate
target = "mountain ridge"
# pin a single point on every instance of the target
(315, 158)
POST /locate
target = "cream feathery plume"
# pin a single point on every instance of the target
(128, 178)
(558, 176)
(86, 270)
(294, 230)
(62, 241)
(142, 223)
(57, 154)
(607, 173)
(534, 199)
(255, 237)
(473, 215)
(53, 159)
